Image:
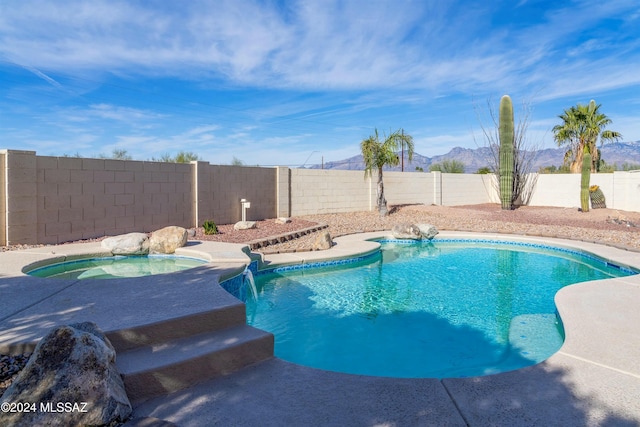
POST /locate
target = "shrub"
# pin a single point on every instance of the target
(210, 227)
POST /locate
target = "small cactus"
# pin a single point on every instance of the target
(507, 163)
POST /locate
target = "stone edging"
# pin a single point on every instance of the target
(281, 238)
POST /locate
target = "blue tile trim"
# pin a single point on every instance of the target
(328, 263)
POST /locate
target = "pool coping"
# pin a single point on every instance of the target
(592, 380)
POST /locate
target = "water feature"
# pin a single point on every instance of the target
(444, 309)
(249, 282)
(116, 267)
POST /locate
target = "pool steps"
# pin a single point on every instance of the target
(169, 366)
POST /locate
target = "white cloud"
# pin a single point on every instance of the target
(324, 44)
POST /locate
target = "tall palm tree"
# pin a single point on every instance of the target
(377, 154)
(581, 127)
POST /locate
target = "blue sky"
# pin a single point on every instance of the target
(289, 82)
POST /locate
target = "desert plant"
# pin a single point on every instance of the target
(598, 201)
(117, 154)
(506, 153)
(584, 181)
(210, 227)
(448, 166)
(525, 150)
(377, 154)
(581, 127)
(236, 162)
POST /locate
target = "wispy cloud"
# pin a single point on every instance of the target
(303, 74)
(328, 44)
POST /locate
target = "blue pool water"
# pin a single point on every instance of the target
(116, 267)
(423, 309)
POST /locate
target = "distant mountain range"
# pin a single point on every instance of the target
(474, 159)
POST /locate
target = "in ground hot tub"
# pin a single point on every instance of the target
(112, 267)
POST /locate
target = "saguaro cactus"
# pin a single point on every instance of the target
(584, 182)
(506, 152)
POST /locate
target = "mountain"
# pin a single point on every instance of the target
(476, 158)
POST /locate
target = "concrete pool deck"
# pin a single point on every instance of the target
(594, 380)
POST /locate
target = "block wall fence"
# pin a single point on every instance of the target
(49, 200)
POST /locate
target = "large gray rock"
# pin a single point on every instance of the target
(427, 231)
(74, 366)
(167, 240)
(406, 231)
(322, 241)
(127, 244)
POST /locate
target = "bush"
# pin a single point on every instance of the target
(447, 166)
(210, 227)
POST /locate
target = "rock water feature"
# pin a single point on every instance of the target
(163, 241)
(414, 231)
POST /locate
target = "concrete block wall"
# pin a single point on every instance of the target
(466, 189)
(57, 199)
(19, 187)
(283, 191)
(80, 198)
(3, 196)
(317, 191)
(226, 185)
(627, 191)
(409, 187)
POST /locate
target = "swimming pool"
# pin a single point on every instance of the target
(112, 267)
(418, 310)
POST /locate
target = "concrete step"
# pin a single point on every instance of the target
(172, 328)
(164, 368)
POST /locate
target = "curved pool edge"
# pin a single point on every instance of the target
(597, 316)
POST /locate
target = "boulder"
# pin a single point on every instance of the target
(282, 220)
(244, 225)
(127, 244)
(406, 231)
(427, 231)
(74, 366)
(322, 241)
(167, 240)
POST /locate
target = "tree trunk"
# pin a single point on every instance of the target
(576, 165)
(382, 202)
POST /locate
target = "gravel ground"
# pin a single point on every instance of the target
(606, 226)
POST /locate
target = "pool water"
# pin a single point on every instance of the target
(424, 310)
(116, 267)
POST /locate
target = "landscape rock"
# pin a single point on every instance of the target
(282, 220)
(244, 225)
(406, 231)
(73, 365)
(323, 241)
(427, 231)
(167, 240)
(127, 244)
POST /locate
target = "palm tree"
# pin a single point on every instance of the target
(377, 154)
(581, 127)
